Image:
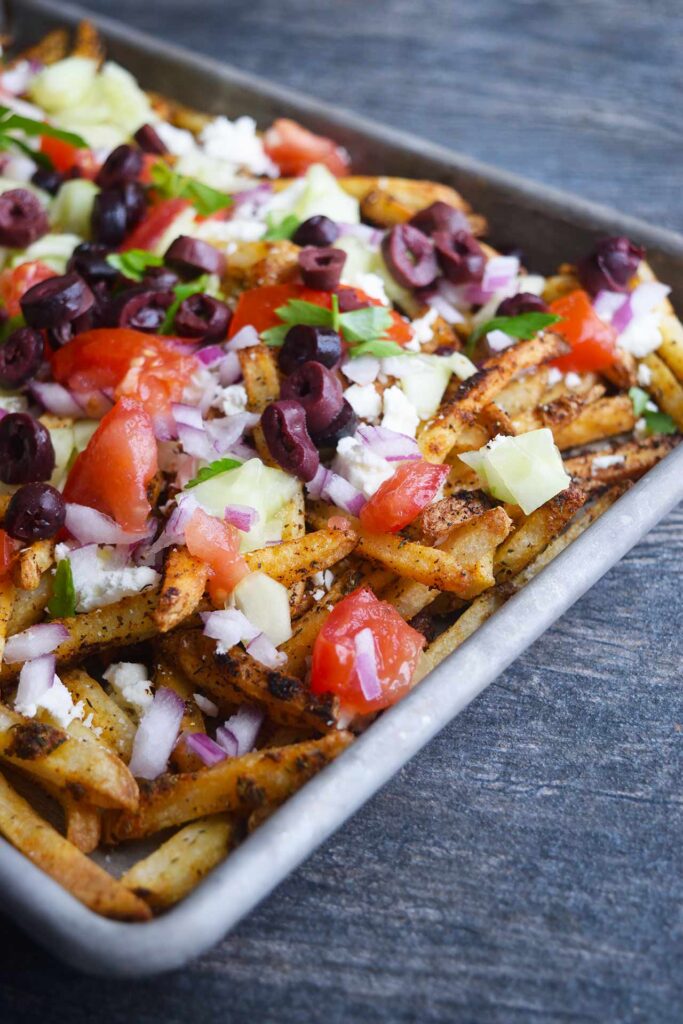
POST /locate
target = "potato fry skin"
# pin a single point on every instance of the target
(237, 785)
(260, 374)
(32, 562)
(116, 730)
(638, 456)
(301, 557)
(60, 859)
(537, 531)
(182, 588)
(604, 418)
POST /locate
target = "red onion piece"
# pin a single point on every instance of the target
(343, 494)
(247, 337)
(371, 237)
(35, 679)
(445, 309)
(210, 355)
(391, 445)
(314, 487)
(499, 272)
(227, 430)
(607, 303)
(156, 735)
(196, 442)
(94, 404)
(256, 196)
(641, 301)
(244, 517)
(366, 664)
(55, 398)
(89, 526)
(229, 369)
(265, 652)
(34, 642)
(244, 726)
(205, 705)
(187, 415)
(228, 627)
(226, 740)
(174, 530)
(203, 746)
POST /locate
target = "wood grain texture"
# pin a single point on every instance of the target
(527, 866)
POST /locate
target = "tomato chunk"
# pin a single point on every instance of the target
(155, 224)
(256, 307)
(152, 370)
(335, 667)
(114, 470)
(66, 157)
(593, 342)
(294, 149)
(402, 497)
(16, 281)
(218, 544)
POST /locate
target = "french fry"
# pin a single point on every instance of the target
(297, 559)
(671, 349)
(182, 588)
(665, 389)
(235, 678)
(237, 785)
(52, 47)
(180, 864)
(110, 724)
(29, 606)
(32, 563)
(254, 264)
(260, 376)
(439, 436)
(7, 596)
(60, 859)
(87, 769)
(523, 393)
(83, 824)
(171, 676)
(88, 42)
(443, 516)
(604, 418)
(536, 532)
(636, 458)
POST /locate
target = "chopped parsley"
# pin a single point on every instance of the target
(365, 329)
(656, 422)
(62, 604)
(169, 183)
(213, 469)
(134, 262)
(524, 326)
(284, 229)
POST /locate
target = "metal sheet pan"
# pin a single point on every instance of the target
(549, 225)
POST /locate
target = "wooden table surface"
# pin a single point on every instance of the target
(528, 865)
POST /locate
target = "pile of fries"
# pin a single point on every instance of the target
(446, 574)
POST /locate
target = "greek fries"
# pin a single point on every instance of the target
(330, 434)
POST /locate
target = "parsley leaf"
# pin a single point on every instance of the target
(62, 604)
(659, 423)
(378, 347)
(182, 292)
(285, 229)
(524, 326)
(275, 336)
(367, 324)
(206, 200)
(134, 262)
(336, 319)
(298, 311)
(640, 399)
(364, 328)
(213, 469)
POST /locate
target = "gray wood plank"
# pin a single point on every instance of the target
(527, 866)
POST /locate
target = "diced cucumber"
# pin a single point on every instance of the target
(127, 104)
(265, 602)
(424, 383)
(318, 192)
(72, 208)
(64, 84)
(52, 249)
(526, 470)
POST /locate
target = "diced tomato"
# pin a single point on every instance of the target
(593, 342)
(155, 224)
(152, 370)
(66, 157)
(294, 149)
(257, 307)
(6, 552)
(397, 650)
(14, 282)
(218, 544)
(402, 497)
(114, 470)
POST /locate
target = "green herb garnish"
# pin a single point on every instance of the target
(62, 604)
(284, 229)
(9, 121)
(524, 326)
(213, 469)
(656, 422)
(640, 399)
(365, 329)
(134, 262)
(206, 200)
(182, 292)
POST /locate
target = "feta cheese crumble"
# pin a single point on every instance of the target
(605, 461)
(644, 376)
(101, 576)
(130, 686)
(400, 414)
(232, 400)
(362, 467)
(236, 142)
(58, 703)
(364, 400)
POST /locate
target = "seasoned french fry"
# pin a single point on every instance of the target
(52, 47)
(665, 389)
(110, 724)
(604, 418)
(443, 516)
(60, 859)
(237, 785)
(180, 864)
(536, 532)
(182, 588)
(88, 42)
(254, 264)
(636, 457)
(523, 393)
(86, 768)
(32, 563)
(260, 376)
(235, 677)
(439, 436)
(7, 597)
(83, 824)
(171, 676)
(29, 606)
(295, 560)
(671, 349)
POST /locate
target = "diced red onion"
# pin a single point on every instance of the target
(372, 237)
(366, 664)
(34, 642)
(229, 369)
(18, 167)
(499, 272)
(641, 301)
(340, 492)
(203, 746)
(244, 517)
(205, 705)
(226, 740)
(89, 526)
(243, 727)
(241, 450)
(156, 735)
(391, 445)
(174, 530)
(265, 652)
(257, 196)
(362, 370)
(16, 79)
(607, 303)
(196, 442)
(35, 679)
(55, 398)
(247, 337)
(225, 431)
(210, 355)
(187, 467)
(187, 415)
(228, 626)
(445, 309)
(94, 404)
(314, 487)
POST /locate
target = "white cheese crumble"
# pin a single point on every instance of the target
(362, 370)
(554, 376)
(362, 467)
(400, 414)
(372, 285)
(640, 427)
(236, 142)
(100, 578)
(572, 380)
(642, 336)
(206, 705)
(58, 703)
(232, 400)
(422, 327)
(644, 376)
(130, 685)
(364, 400)
(178, 141)
(605, 461)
